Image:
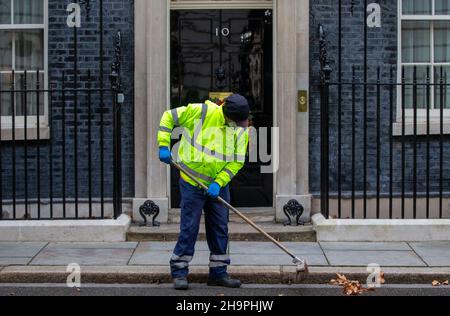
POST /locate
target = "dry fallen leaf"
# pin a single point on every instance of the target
(351, 288)
(382, 278)
(342, 279)
(436, 283)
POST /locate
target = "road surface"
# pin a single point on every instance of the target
(202, 290)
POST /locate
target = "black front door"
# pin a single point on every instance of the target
(226, 51)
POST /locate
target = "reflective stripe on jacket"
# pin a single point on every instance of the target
(210, 149)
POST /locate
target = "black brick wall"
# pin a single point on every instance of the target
(382, 52)
(118, 15)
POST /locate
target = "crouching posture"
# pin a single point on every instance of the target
(213, 149)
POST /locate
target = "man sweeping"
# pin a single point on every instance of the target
(213, 149)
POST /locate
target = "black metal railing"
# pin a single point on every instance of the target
(384, 145)
(60, 145)
(384, 139)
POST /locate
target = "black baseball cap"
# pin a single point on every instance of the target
(237, 109)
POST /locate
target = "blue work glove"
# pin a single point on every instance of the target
(213, 191)
(165, 155)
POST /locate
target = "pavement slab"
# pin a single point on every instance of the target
(201, 258)
(5, 261)
(382, 258)
(298, 248)
(364, 246)
(156, 253)
(271, 259)
(13, 253)
(20, 250)
(95, 245)
(104, 254)
(166, 246)
(435, 254)
(238, 247)
(242, 253)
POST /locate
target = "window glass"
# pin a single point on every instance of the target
(417, 7)
(442, 41)
(5, 50)
(5, 84)
(28, 12)
(421, 89)
(30, 98)
(22, 49)
(442, 7)
(5, 11)
(416, 43)
(418, 34)
(29, 50)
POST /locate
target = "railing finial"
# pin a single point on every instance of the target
(325, 67)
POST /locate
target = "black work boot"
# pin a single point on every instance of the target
(181, 284)
(225, 282)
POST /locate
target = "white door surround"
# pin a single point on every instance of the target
(291, 74)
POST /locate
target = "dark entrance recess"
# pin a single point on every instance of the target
(226, 51)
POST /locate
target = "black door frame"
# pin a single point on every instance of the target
(230, 6)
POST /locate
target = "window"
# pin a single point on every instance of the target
(23, 38)
(424, 45)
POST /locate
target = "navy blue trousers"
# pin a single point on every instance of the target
(193, 202)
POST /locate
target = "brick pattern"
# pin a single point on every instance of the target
(382, 52)
(118, 15)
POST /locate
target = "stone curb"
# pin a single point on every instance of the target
(102, 230)
(380, 230)
(248, 274)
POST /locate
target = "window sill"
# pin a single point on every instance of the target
(6, 133)
(435, 128)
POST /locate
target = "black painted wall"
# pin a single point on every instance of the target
(118, 15)
(382, 52)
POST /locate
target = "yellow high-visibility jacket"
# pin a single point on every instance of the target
(209, 149)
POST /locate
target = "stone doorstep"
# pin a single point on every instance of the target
(238, 232)
(380, 230)
(256, 215)
(248, 274)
